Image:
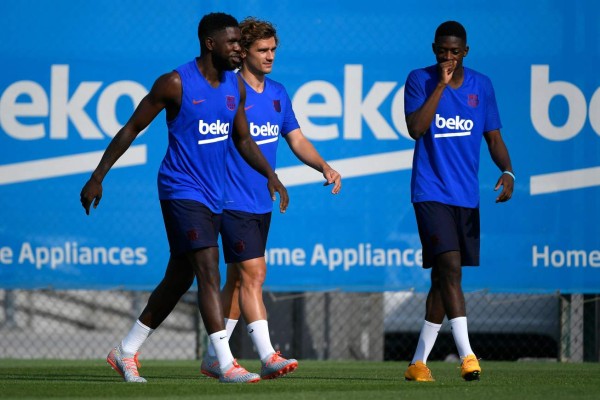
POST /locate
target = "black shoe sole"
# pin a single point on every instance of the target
(472, 376)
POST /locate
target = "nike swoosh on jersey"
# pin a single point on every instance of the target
(249, 107)
(198, 101)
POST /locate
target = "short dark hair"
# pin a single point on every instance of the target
(254, 29)
(451, 28)
(214, 22)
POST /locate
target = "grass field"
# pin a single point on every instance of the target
(313, 380)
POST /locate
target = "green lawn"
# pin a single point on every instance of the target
(313, 380)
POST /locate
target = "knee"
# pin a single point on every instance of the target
(451, 275)
(254, 278)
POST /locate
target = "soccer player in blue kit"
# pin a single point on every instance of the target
(204, 102)
(247, 212)
(449, 108)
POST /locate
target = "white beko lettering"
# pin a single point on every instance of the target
(219, 129)
(321, 100)
(543, 92)
(215, 128)
(20, 119)
(461, 126)
(264, 130)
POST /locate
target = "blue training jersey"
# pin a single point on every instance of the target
(446, 158)
(270, 116)
(194, 166)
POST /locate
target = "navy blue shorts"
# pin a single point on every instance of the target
(444, 228)
(244, 235)
(190, 225)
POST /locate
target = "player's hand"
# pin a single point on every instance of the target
(275, 185)
(507, 182)
(91, 192)
(446, 70)
(332, 177)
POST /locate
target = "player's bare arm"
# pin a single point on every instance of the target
(165, 93)
(252, 154)
(306, 152)
(501, 158)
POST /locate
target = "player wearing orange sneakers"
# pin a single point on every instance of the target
(449, 110)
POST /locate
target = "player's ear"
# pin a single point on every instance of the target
(209, 43)
(466, 51)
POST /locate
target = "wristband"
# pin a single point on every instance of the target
(511, 174)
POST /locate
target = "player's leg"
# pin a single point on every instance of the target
(230, 292)
(430, 218)
(434, 315)
(178, 278)
(193, 232)
(206, 267)
(469, 237)
(252, 273)
(454, 303)
(231, 311)
(230, 298)
(449, 273)
(244, 242)
(176, 282)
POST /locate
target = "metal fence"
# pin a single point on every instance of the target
(77, 324)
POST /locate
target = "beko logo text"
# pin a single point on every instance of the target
(353, 107)
(60, 108)
(543, 92)
(264, 130)
(215, 128)
(453, 123)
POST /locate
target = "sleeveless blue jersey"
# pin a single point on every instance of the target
(446, 158)
(270, 116)
(194, 166)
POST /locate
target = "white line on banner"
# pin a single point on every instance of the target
(349, 167)
(565, 180)
(66, 165)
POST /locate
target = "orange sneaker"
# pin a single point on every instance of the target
(469, 368)
(418, 372)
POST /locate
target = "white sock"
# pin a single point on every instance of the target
(220, 342)
(461, 336)
(427, 338)
(259, 333)
(229, 327)
(135, 338)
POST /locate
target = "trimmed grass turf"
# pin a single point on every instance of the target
(91, 379)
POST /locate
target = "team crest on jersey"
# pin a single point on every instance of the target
(277, 105)
(473, 100)
(230, 101)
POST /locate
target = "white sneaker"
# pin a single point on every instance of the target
(127, 367)
(210, 367)
(238, 374)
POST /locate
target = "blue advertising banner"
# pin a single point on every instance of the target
(72, 73)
